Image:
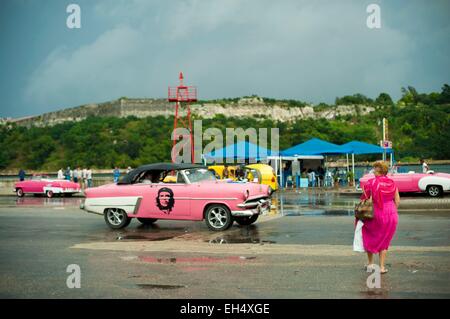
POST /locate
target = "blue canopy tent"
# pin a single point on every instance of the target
(315, 146)
(358, 148)
(312, 147)
(242, 150)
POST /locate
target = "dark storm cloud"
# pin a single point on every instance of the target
(308, 50)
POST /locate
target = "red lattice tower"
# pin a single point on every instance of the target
(183, 95)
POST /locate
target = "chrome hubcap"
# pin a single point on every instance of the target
(434, 190)
(115, 216)
(217, 217)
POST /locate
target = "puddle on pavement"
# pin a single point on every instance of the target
(141, 237)
(238, 240)
(318, 212)
(190, 260)
(28, 200)
(159, 286)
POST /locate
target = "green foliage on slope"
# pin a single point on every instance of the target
(419, 126)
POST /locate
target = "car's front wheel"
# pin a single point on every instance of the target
(218, 217)
(434, 190)
(49, 194)
(116, 218)
(19, 192)
(147, 221)
(244, 221)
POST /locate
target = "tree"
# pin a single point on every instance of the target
(384, 99)
(444, 97)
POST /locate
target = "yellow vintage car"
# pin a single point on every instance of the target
(218, 170)
(260, 173)
(264, 174)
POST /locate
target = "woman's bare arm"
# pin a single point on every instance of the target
(397, 198)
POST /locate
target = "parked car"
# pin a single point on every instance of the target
(42, 184)
(264, 174)
(434, 184)
(196, 195)
(218, 170)
(258, 173)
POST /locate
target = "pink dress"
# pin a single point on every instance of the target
(377, 233)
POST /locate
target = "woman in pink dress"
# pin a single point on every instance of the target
(377, 233)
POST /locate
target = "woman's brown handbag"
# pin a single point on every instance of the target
(364, 209)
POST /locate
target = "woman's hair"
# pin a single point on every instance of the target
(381, 167)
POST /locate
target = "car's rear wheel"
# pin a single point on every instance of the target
(116, 218)
(434, 190)
(244, 221)
(19, 192)
(218, 217)
(147, 221)
(49, 194)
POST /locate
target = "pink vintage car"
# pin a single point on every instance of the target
(41, 184)
(435, 184)
(192, 193)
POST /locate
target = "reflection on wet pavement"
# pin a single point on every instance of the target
(147, 237)
(12, 201)
(157, 286)
(312, 203)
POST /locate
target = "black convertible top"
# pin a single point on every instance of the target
(128, 179)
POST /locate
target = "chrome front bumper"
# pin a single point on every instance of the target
(259, 207)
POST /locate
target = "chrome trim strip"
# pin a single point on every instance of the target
(111, 205)
(243, 213)
(138, 204)
(254, 204)
(258, 196)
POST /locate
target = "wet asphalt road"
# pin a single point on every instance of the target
(301, 251)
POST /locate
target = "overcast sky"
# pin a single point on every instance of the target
(307, 50)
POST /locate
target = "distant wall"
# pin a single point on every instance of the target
(245, 107)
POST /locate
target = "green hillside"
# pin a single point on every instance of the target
(419, 126)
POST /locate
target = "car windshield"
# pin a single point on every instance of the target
(199, 175)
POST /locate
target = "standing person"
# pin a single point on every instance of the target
(225, 172)
(329, 178)
(75, 175)
(378, 232)
(60, 174)
(84, 177)
(68, 173)
(89, 177)
(21, 175)
(320, 176)
(425, 167)
(311, 178)
(128, 169)
(287, 171)
(116, 174)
